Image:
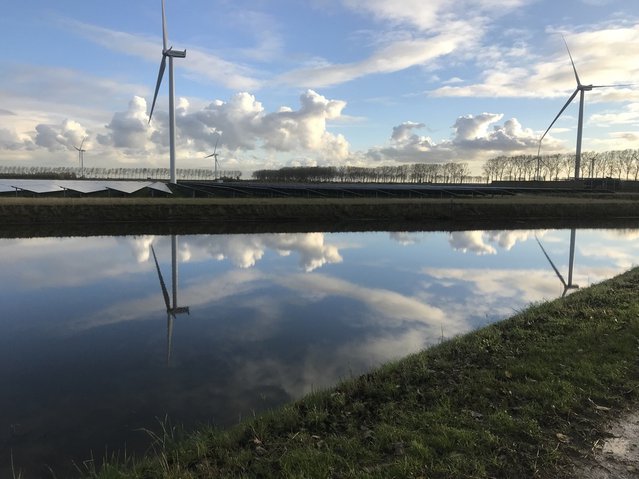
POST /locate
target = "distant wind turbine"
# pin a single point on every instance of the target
(571, 262)
(81, 156)
(170, 53)
(215, 155)
(581, 89)
(172, 310)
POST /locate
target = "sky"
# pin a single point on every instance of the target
(321, 82)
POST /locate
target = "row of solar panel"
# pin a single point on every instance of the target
(80, 186)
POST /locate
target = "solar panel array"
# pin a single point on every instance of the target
(80, 186)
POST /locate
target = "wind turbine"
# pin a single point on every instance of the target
(571, 262)
(581, 89)
(171, 310)
(81, 156)
(168, 52)
(214, 155)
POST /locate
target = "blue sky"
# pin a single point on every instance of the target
(326, 82)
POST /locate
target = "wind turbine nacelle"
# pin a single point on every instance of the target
(175, 53)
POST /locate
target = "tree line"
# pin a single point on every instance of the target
(416, 173)
(618, 164)
(69, 173)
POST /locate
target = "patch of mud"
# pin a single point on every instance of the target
(616, 456)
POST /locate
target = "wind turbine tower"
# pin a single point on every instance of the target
(571, 262)
(581, 89)
(168, 52)
(81, 156)
(172, 310)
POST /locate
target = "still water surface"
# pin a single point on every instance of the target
(93, 348)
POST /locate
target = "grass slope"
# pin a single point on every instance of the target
(516, 399)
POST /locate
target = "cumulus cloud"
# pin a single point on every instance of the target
(246, 250)
(129, 129)
(246, 125)
(474, 137)
(472, 241)
(479, 242)
(66, 135)
(9, 140)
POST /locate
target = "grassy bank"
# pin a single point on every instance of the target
(27, 216)
(521, 398)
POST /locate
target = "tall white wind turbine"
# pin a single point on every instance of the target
(215, 154)
(171, 54)
(581, 89)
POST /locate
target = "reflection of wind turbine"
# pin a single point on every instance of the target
(170, 53)
(81, 156)
(215, 154)
(580, 124)
(171, 310)
(571, 262)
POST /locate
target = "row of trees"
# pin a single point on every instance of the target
(619, 164)
(416, 173)
(65, 172)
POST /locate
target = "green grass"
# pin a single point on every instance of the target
(516, 399)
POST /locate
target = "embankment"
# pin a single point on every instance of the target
(27, 216)
(527, 397)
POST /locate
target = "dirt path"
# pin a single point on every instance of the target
(617, 456)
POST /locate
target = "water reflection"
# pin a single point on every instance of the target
(569, 285)
(172, 310)
(271, 317)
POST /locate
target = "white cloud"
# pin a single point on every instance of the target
(478, 242)
(388, 305)
(472, 241)
(388, 59)
(202, 65)
(246, 250)
(519, 73)
(629, 115)
(475, 137)
(246, 125)
(66, 136)
(129, 129)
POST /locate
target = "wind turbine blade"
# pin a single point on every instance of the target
(561, 278)
(612, 86)
(157, 85)
(165, 40)
(82, 144)
(215, 148)
(165, 293)
(572, 97)
(573, 63)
